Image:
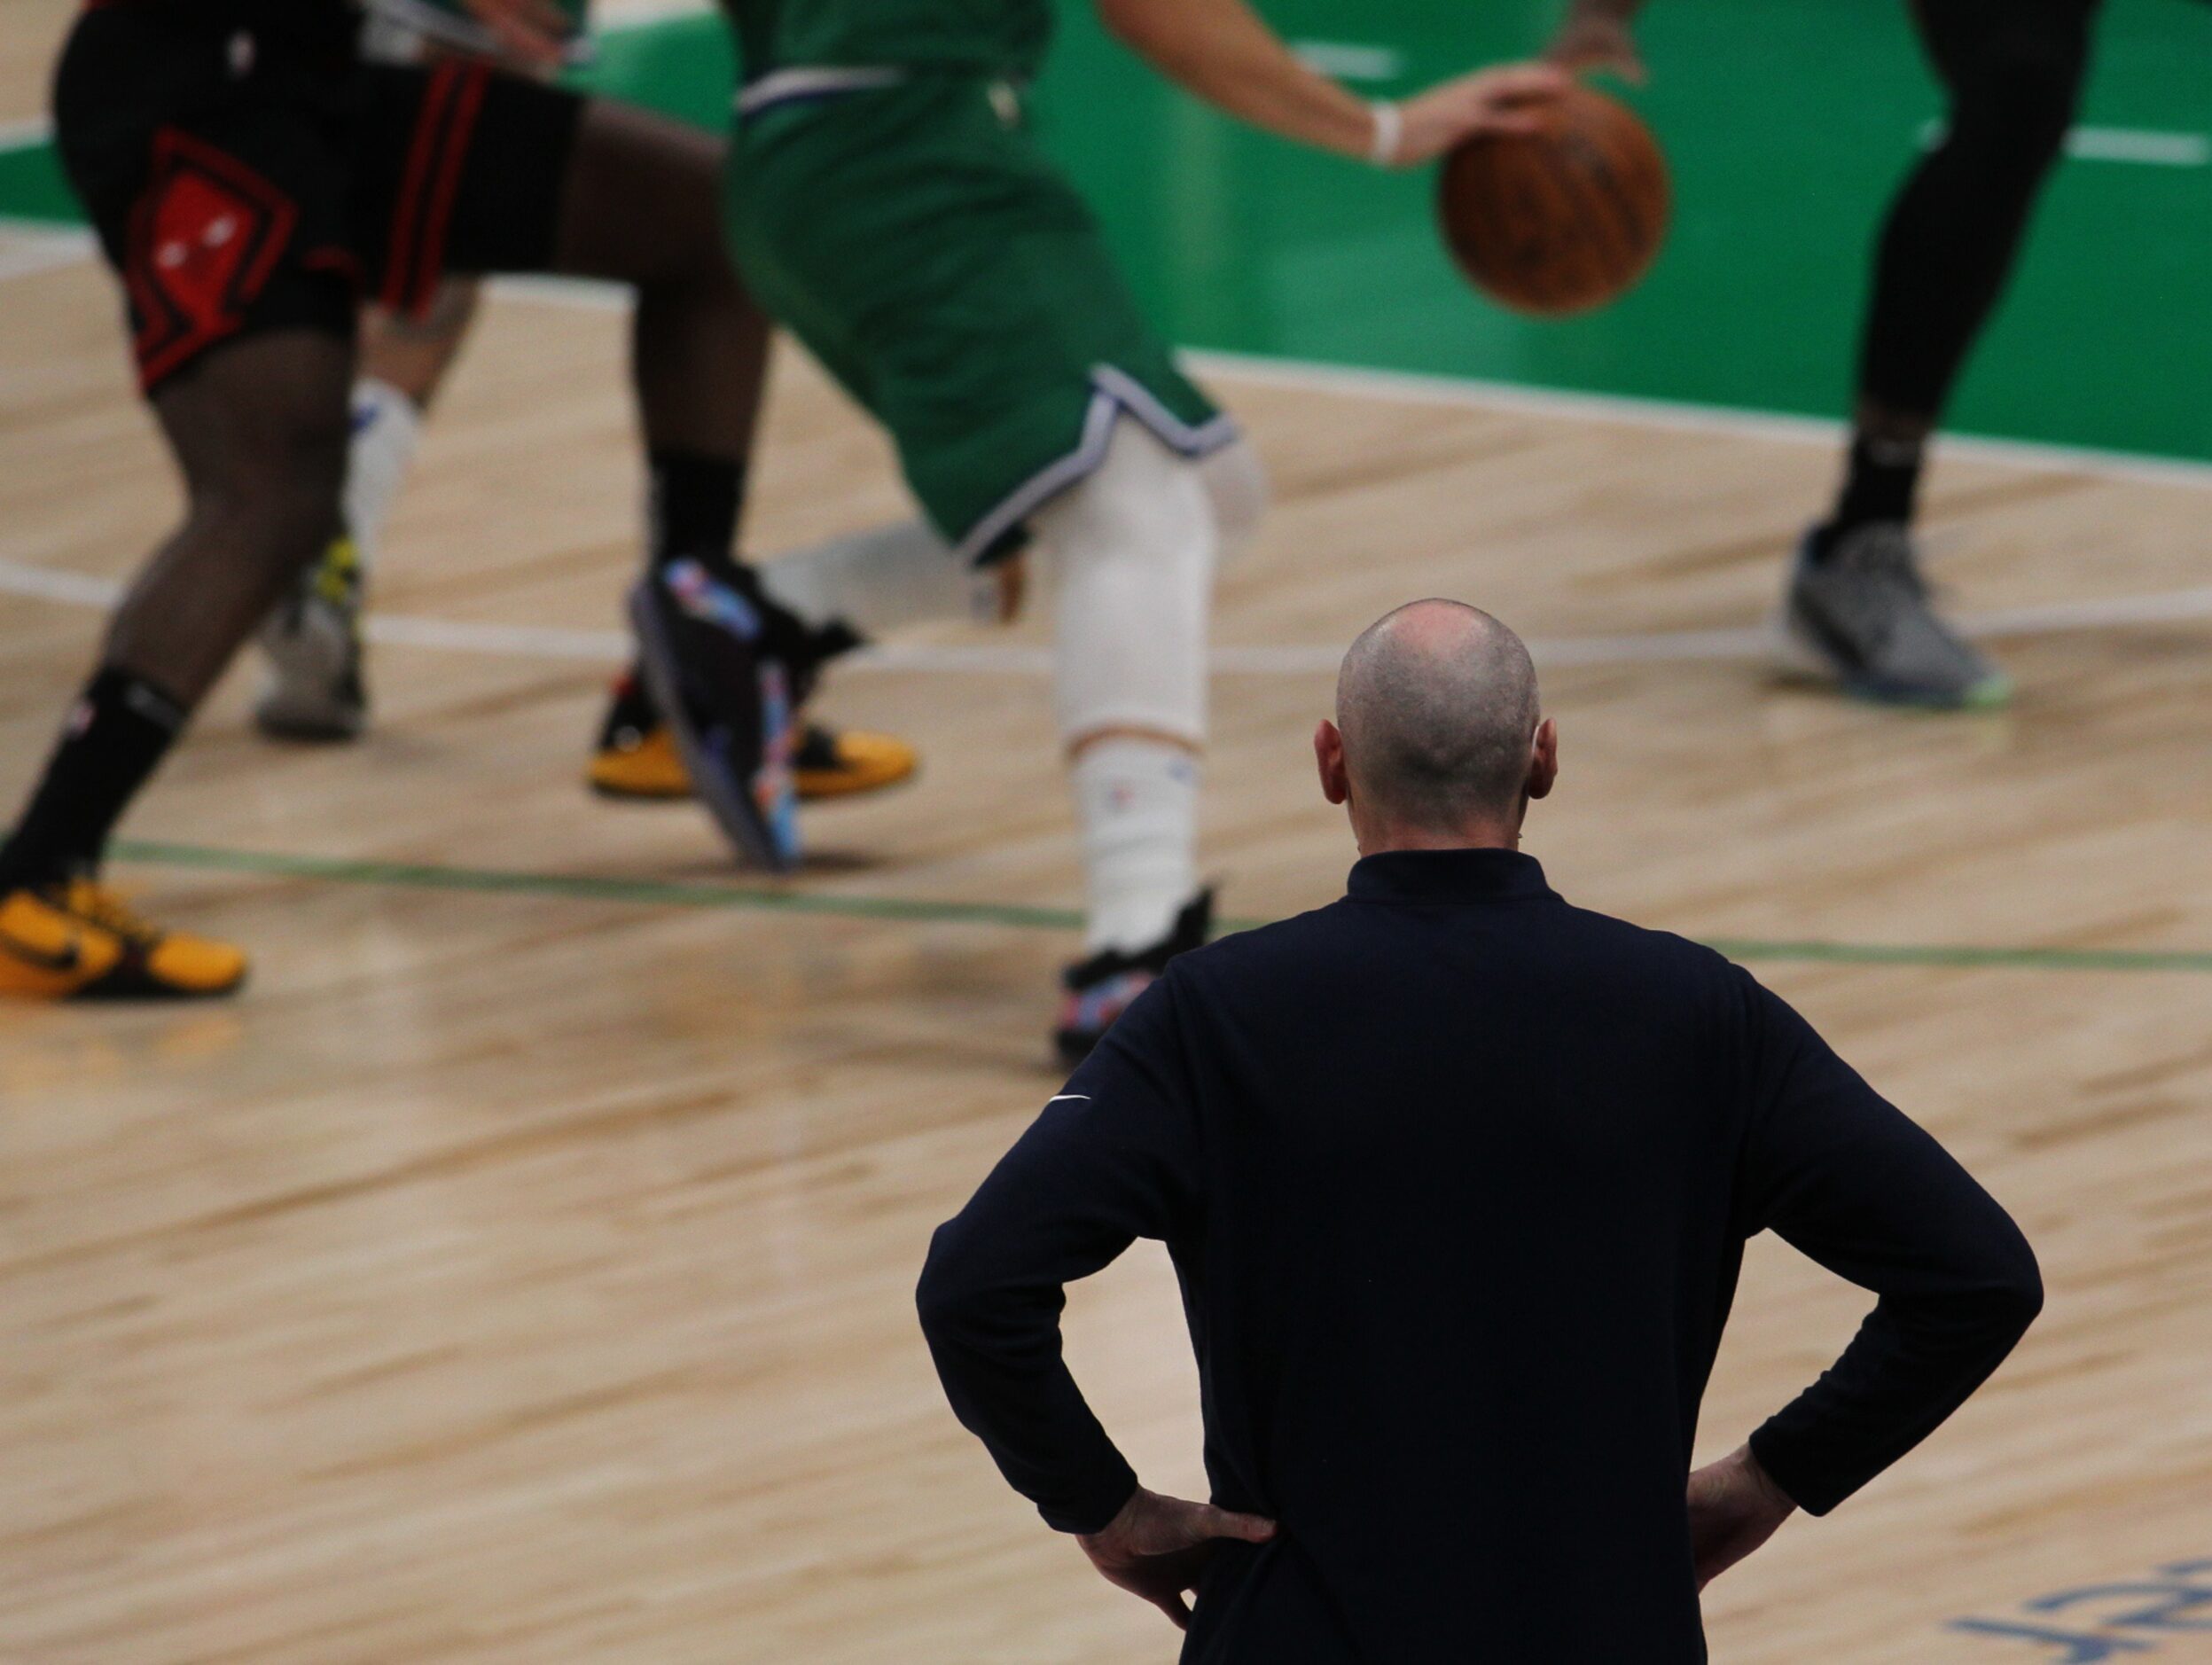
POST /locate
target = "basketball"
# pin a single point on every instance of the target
(1562, 220)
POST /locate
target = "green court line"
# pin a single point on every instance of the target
(1015, 916)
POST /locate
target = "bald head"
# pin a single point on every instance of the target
(1437, 703)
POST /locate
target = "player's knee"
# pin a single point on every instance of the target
(276, 501)
(306, 476)
(1237, 488)
(1134, 549)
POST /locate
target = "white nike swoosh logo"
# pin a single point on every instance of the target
(1065, 1097)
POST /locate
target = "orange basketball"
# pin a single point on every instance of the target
(1562, 220)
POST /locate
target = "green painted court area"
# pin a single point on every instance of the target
(1788, 123)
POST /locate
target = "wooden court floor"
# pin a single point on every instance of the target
(520, 1270)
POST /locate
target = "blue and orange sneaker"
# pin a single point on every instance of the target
(1100, 990)
(720, 662)
(635, 757)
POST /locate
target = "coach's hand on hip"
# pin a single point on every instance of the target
(1158, 1547)
(1735, 1506)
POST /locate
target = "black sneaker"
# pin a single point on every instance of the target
(1100, 989)
(720, 672)
(1861, 616)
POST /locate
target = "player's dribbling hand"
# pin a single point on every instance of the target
(1506, 99)
(1734, 1507)
(532, 30)
(1158, 1547)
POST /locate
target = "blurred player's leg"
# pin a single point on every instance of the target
(314, 688)
(1858, 608)
(314, 685)
(726, 667)
(912, 235)
(258, 429)
(226, 223)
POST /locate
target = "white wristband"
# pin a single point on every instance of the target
(1389, 132)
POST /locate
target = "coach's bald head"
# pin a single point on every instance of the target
(1439, 741)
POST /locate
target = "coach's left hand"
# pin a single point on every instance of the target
(1157, 1547)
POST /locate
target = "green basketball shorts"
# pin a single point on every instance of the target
(908, 231)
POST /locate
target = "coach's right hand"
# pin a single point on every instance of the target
(1158, 1547)
(1735, 1506)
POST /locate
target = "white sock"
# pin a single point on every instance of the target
(387, 427)
(1137, 805)
(880, 581)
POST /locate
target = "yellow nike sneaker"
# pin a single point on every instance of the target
(79, 940)
(840, 763)
(637, 757)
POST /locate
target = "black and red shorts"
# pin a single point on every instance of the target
(244, 180)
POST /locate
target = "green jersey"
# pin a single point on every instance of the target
(1004, 39)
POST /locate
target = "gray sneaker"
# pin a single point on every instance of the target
(313, 689)
(1862, 617)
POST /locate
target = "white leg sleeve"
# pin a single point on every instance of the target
(1133, 549)
(878, 581)
(387, 429)
(1137, 810)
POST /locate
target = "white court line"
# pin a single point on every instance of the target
(2144, 147)
(1461, 392)
(26, 252)
(643, 14)
(1468, 393)
(1665, 646)
(1345, 60)
(1512, 399)
(513, 641)
(2135, 144)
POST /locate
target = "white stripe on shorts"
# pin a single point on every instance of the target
(813, 81)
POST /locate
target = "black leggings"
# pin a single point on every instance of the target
(2014, 69)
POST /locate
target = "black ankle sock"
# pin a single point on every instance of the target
(1880, 484)
(119, 729)
(695, 504)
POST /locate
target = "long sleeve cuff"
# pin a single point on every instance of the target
(1799, 1479)
(1099, 1504)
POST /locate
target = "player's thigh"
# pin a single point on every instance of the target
(642, 199)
